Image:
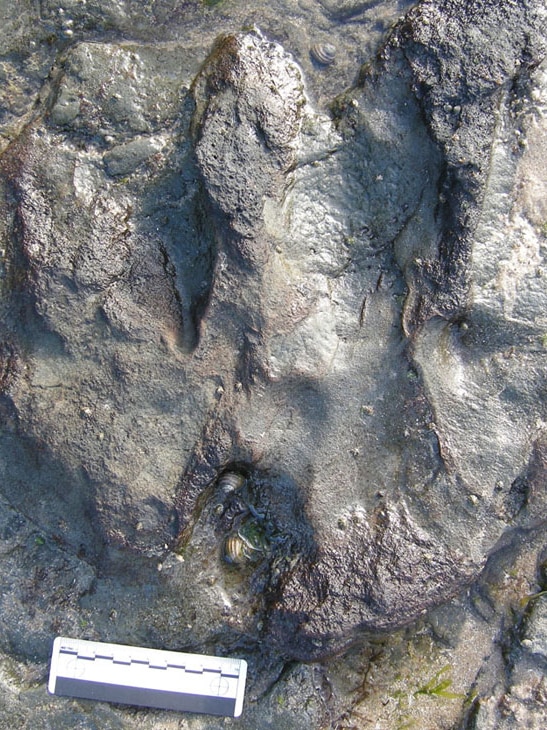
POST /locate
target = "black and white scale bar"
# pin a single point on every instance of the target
(134, 675)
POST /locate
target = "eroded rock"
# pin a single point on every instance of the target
(309, 335)
(249, 100)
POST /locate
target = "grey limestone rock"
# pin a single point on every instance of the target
(522, 702)
(48, 582)
(534, 637)
(249, 100)
(275, 376)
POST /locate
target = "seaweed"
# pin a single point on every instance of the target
(437, 687)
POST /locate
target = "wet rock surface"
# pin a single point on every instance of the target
(273, 374)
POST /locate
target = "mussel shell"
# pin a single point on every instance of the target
(230, 481)
(235, 550)
(323, 53)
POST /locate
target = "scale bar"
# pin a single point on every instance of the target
(147, 677)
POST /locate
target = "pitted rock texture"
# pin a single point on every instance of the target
(249, 100)
(344, 330)
(391, 569)
(464, 63)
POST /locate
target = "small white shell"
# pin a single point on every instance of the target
(323, 53)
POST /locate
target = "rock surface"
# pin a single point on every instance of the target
(274, 377)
